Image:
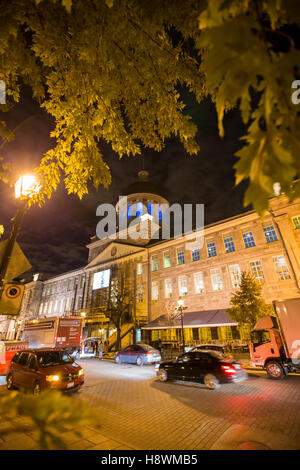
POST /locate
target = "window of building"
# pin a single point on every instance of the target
(235, 274)
(182, 284)
(180, 256)
(270, 233)
(296, 221)
(248, 238)
(155, 290)
(216, 279)
(199, 283)
(140, 293)
(140, 268)
(139, 209)
(79, 302)
(195, 254)
(167, 260)
(211, 249)
(129, 211)
(281, 268)
(257, 270)
(195, 334)
(154, 263)
(41, 308)
(229, 244)
(50, 307)
(168, 288)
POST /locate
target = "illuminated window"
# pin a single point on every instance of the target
(257, 270)
(155, 290)
(154, 263)
(167, 260)
(140, 293)
(248, 238)
(139, 209)
(129, 211)
(296, 221)
(101, 279)
(281, 268)
(216, 279)
(182, 284)
(229, 244)
(235, 274)
(211, 249)
(270, 233)
(140, 268)
(168, 288)
(196, 254)
(180, 256)
(199, 283)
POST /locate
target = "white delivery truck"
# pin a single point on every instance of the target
(275, 340)
(54, 332)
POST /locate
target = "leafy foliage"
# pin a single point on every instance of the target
(111, 70)
(51, 414)
(247, 304)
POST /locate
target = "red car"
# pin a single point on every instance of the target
(44, 369)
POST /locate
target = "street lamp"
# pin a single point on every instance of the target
(180, 307)
(26, 187)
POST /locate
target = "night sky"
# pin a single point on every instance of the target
(54, 236)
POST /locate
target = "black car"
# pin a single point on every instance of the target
(208, 367)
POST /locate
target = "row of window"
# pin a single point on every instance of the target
(279, 262)
(229, 245)
(61, 287)
(59, 306)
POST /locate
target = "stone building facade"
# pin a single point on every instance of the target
(164, 270)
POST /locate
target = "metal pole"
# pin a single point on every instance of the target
(182, 330)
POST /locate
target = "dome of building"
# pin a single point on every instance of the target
(143, 185)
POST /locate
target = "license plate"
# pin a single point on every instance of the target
(70, 384)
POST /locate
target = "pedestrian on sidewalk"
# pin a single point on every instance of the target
(100, 350)
(105, 347)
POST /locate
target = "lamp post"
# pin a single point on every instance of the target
(25, 187)
(180, 307)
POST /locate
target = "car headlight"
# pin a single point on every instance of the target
(52, 378)
(80, 372)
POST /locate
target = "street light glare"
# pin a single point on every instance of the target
(26, 185)
(180, 302)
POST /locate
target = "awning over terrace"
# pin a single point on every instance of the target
(201, 319)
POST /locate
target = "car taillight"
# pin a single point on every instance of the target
(148, 352)
(228, 369)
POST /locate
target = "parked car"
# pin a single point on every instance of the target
(43, 369)
(208, 367)
(212, 347)
(138, 354)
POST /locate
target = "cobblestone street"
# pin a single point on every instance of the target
(136, 411)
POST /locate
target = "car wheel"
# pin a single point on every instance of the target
(211, 381)
(37, 389)
(139, 361)
(274, 370)
(162, 375)
(9, 382)
(118, 360)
